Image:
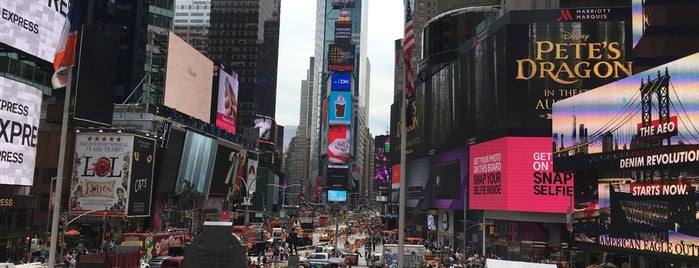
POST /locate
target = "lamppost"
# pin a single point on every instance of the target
(282, 211)
(246, 203)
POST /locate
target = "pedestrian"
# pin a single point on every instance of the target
(42, 256)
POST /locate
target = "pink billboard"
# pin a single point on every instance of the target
(516, 174)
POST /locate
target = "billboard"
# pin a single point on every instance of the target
(227, 101)
(266, 127)
(341, 58)
(34, 27)
(20, 110)
(338, 176)
(516, 174)
(225, 172)
(339, 145)
(94, 88)
(102, 172)
(141, 188)
(343, 3)
(343, 31)
(196, 164)
(340, 107)
(641, 131)
(337, 195)
(188, 79)
(382, 165)
(448, 179)
(169, 156)
(340, 81)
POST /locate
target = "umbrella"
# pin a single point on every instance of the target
(72, 232)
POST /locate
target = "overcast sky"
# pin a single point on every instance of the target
(297, 35)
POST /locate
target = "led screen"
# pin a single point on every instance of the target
(338, 176)
(430, 223)
(227, 105)
(225, 169)
(341, 58)
(340, 107)
(339, 145)
(33, 26)
(101, 173)
(198, 153)
(343, 3)
(20, 110)
(343, 31)
(516, 174)
(640, 130)
(340, 81)
(266, 127)
(382, 168)
(337, 195)
(188, 79)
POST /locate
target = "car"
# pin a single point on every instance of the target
(303, 262)
(157, 261)
(173, 262)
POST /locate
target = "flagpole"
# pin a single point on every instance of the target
(60, 172)
(401, 188)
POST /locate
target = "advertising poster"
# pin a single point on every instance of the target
(227, 107)
(448, 179)
(343, 3)
(101, 173)
(516, 174)
(34, 27)
(340, 81)
(340, 107)
(251, 175)
(142, 161)
(20, 109)
(266, 127)
(641, 129)
(339, 145)
(225, 171)
(194, 174)
(169, 157)
(338, 176)
(341, 58)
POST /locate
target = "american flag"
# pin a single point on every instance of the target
(408, 46)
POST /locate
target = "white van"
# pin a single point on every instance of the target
(38, 244)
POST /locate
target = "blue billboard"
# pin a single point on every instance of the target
(340, 82)
(340, 110)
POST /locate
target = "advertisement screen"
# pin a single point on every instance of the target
(338, 176)
(20, 110)
(340, 81)
(266, 127)
(142, 162)
(640, 130)
(194, 174)
(225, 172)
(343, 31)
(516, 174)
(94, 88)
(341, 58)
(101, 173)
(33, 26)
(169, 156)
(339, 145)
(227, 106)
(337, 195)
(448, 179)
(340, 107)
(382, 166)
(188, 79)
(343, 3)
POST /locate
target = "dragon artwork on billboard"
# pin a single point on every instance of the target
(635, 146)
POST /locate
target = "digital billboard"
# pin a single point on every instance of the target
(141, 188)
(382, 166)
(225, 172)
(194, 174)
(343, 3)
(343, 31)
(169, 157)
(227, 101)
(94, 87)
(337, 195)
(266, 127)
(639, 132)
(188, 79)
(34, 27)
(341, 58)
(516, 174)
(102, 172)
(338, 176)
(20, 112)
(339, 145)
(448, 179)
(340, 107)
(340, 81)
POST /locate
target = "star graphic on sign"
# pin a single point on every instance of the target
(111, 139)
(104, 138)
(89, 138)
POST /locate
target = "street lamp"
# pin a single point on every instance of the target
(246, 203)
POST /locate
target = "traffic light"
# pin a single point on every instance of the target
(60, 237)
(482, 227)
(492, 230)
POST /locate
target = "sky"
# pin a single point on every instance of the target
(385, 25)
